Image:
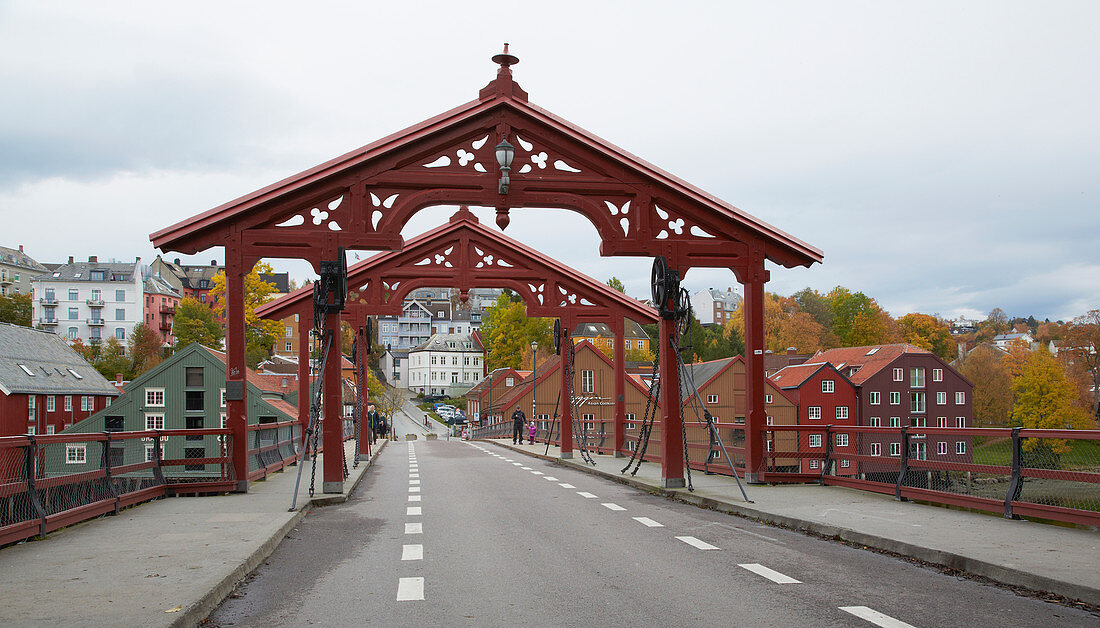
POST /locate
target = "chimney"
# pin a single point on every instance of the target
(92, 259)
(20, 248)
(70, 259)
(791, 350)
(213, 262)
(176, 261)
(118, 379)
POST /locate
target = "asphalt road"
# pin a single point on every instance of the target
(456, 533)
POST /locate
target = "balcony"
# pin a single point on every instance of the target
(168, 309)
(47, 322)
(165, 324)
(48, 300)
(94, 302)
(96, 322)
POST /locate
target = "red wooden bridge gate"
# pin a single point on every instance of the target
(363, 199)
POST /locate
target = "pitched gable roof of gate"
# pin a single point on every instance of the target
(499, 97)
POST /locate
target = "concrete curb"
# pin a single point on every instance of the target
(194, 614)
(997, 573)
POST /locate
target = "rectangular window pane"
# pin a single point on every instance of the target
(193, 376)
(194, 400)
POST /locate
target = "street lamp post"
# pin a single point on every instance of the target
(534, 365)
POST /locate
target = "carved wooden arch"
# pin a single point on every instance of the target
(465, 254)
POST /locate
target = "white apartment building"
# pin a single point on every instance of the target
(448, 364)
(89, 301)
(713, 306)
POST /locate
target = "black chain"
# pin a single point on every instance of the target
(647, 421)
(583, 440)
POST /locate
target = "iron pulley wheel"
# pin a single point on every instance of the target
(659, 282)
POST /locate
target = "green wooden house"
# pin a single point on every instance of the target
(184, 392)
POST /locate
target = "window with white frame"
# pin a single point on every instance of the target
(876, 398)
(895, 421)
(841, 440)
(587, 382)
(919, 421)
(50, 403)
(223, 420)
(154, 421)
(916, 377)
(68, 403)
(899, 375)
(844, 464)
(76, 454)
(509, 381)
(814, 464)
(876, 449)
(842, 413)
(875, 421)
(289, 331)
(916, 402)
(154, 397)
(960, 447)
(30, 430)
(767, 398)
(120, 295)
(960, 421)
(941, 398)
(150, 456)
(827, 385)
(814, 412)
(589, 423)
(50, 429)
(895, 449)
(712, 398)
(941, 448)
(87, 403)
(941, 421)
(814, 440)
(289, 346)
(960, 398)
(771, 421)
(895, 398)
(937, 375)
(221, 396)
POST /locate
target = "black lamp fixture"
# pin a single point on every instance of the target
(505, 152)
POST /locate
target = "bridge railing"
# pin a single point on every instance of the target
(55, 480)
(1048, 474)
(274, 446)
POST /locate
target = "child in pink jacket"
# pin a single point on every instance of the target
(531, 432)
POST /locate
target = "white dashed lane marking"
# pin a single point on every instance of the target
(696, 543)
(875, 617)
(414, 481)
(649, 523)
(414, 498)
(412, 511)
(610, 506)
(770, 574)
(414, 528)
(547, 477)
(410, 589)
(414, 489)
(566, 485)
(412, 552)
(517, 464)
(536, 473)
(586, 495)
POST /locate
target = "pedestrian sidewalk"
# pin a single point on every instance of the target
(1026, 554)
(168, 562)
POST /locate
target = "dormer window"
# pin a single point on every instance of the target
(26, 370)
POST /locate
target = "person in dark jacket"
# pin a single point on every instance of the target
(518, 419)
(373, 419)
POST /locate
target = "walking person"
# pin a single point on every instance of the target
(518, 420)
(372, 422)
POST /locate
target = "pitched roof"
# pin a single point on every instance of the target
(42, 363)
(870, 359)
(442, 342)
(157, 285)
(82, 271)
(795, 375)
(700, 373)
(16, 257)
(631, 330)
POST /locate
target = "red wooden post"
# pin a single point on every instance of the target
(756, 415)
(363, 453)
(305, 323)
(618, 326)
(235, 367)
(333, 431)
(566, 405)
(672, 444)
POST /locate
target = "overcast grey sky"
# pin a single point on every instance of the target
(944, 155)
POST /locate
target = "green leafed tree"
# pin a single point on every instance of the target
(615, 284)
(16, 309)
(507, 332)
(1046, 399)
(194, 322)
(260, 334)
(145, 349)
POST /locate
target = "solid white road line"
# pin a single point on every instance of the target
(770, 574)
(410, 589)
(566, 485)
(649, 523)
(610, 506)
(696, 543)
(414, 527)
(414, 498)
(586, 495)
(412, 552)
(413, 510)
(875, 617)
